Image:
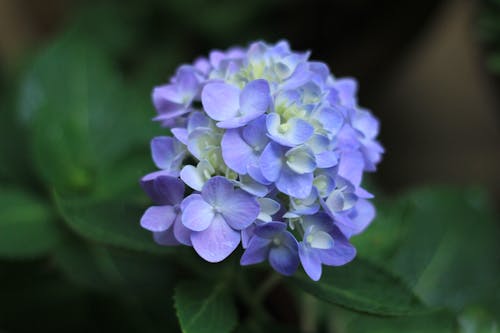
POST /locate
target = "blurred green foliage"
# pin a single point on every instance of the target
(73, 144)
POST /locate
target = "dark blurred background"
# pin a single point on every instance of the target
(426, 68)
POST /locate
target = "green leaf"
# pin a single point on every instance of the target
(440, 322)
(85, 120)
(440, 240)
(27, 227)
(114, 223)
(364, 287)
(203, 308)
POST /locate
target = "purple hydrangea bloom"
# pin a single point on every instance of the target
(268, 149)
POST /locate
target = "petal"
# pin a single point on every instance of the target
(240, 209)
(216, 191)
(362, 216)
(269, 206)
(255, 98)
(192, 177)
(158, 218)
(181, 233)
(255, 133)
(341, 253)
(256, 252)
(166, 98)
(331, 119)
(301, 160)
(292, 133)
(148, 185)
(217, 242)
(187, 81)
(165, 238)
(351, 167)
(235, 151)
(326, 159)
(246, 235)
(169, 189)
(255, 173)
(270, 229)
(271, 161)
(311, 261)
(220, 100)
(180, 134)
(197, 215)
(247, 184)
(284, 259)
(321, 240)
(167, 152)
(295, 185)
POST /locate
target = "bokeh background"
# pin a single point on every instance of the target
(429, 70)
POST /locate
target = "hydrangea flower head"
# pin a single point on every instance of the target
(268, 150)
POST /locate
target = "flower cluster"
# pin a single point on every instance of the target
(268, 150)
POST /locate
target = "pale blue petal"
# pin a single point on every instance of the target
(255, 99)
(311, 261)
(216, 191)
(240, 209)
(217, 242)
(236, 152)
(158, 218)
(220, 100)
(293, 184)
(301, 160)
(197, 215)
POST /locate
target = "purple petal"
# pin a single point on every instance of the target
(295, 185)
(167, 99)
(255, 133)
(346, 89)
(284, 259)
(216, 191)
(180, 134)
(165, 238)
(187, 81)
(255, 173)
(220, 100)
(255, 99)
(351, 167)
(271, 161)
(331, 119)
(240, 209)
(158, 218)
(181, 233)
(217, 242)
(163, 188)
(256, 252)
(148, 185)
(311, 261)
(362, 216)
(246, 235)
(167, 152)
(270, 229)
(235, 151)
(197, 215)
